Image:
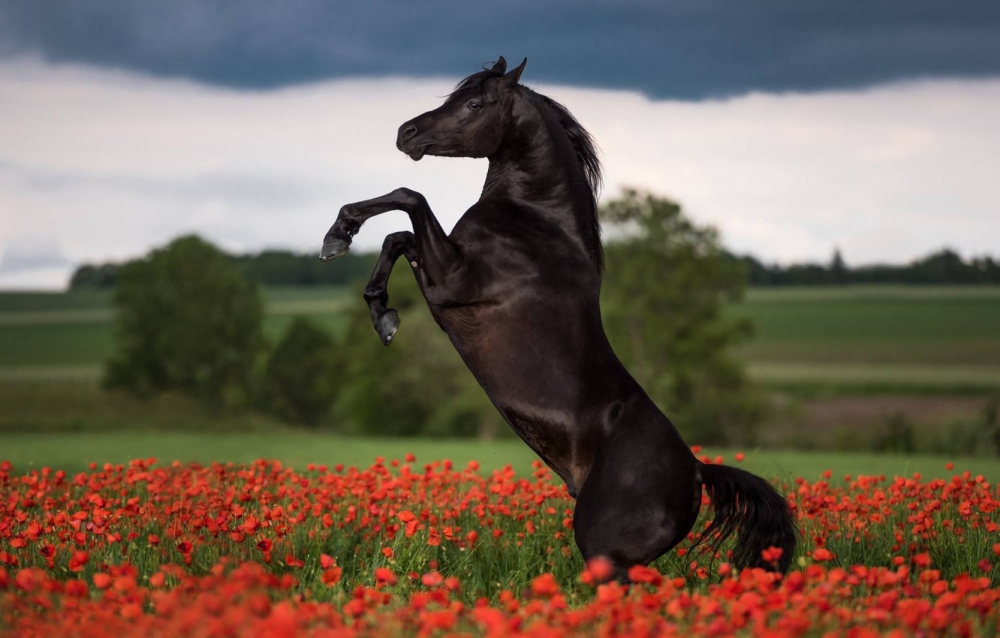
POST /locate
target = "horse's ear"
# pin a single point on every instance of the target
(500, 66)
(514, 76)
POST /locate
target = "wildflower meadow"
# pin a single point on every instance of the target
(410, 548)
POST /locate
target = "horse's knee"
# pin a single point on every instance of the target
(394, 242)
(410, 198)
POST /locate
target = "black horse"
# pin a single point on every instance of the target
(516, 287)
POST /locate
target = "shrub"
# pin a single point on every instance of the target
(898, 436)
(186, 321)
(302, 375)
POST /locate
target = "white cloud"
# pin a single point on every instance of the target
(105, 164)
(31, 253)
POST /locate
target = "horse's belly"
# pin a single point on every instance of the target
(542, 368)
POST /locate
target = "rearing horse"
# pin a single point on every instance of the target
(516, 286)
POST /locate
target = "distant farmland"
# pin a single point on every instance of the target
(74, 332)
(875, 335)
(885, 336)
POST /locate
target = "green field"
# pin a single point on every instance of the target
(884, 336)
(297, 448)
(55, 344)
(810, 343)
(24, 302)
(74, 332)
(875, 324)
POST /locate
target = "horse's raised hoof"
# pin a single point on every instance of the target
(333, 248)
(387, 326)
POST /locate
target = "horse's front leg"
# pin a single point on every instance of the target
(385, 319)
(437, 254)
(437, 262)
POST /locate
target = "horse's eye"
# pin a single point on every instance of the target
(475, 105)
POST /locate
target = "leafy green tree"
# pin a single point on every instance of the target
(302, 375)
(417, 386)
(665, 288)
(187, 321)
(88, 276)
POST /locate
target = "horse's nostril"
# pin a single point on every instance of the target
(409, 132)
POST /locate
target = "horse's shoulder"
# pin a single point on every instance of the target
(494, 208)
(489, 217)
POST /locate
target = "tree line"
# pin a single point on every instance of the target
(942, 268)
(190, 317)
(289, 268)
(267, 268)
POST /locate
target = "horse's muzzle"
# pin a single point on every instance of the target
(405, 141)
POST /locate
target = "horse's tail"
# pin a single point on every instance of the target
(746, 502)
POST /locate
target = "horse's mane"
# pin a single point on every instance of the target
(475, 80)
(580, 139)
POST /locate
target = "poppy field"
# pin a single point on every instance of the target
(405, 547)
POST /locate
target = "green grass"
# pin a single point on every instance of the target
(72, 451)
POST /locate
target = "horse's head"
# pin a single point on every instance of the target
(471, 123)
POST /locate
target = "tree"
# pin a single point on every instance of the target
(87, 276)
(187, 321)
(666, 284)
(268, 268)
(838, 269)
(417, 386)
(302, 375)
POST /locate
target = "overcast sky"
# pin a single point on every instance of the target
(794, 129)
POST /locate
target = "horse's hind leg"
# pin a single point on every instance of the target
(386, 320)
(631, 533)
(640, 499)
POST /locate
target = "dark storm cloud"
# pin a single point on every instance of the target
(688, 49)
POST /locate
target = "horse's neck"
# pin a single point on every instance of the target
(537, 165)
